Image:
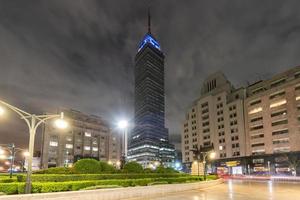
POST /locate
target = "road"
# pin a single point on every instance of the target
(238, 190)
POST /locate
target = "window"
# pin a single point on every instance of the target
(282, 112)
(233, 138)
(281, 141)
(205, 123)
(280, 132)
(87, 134)
(256, 119)
(205, 117)
(206, 130)
(297, 87)
(95, 148)
(205, 111)
(278, 103)
(256, 127)
(87, 148)
(257, 136)
(53, 144)
(204, 105)
(258, 90)
(221, 126)
(258, 161)
(280, 122)
(278, 82)
(219, 98)
(255, 110)
(255, 102)
(281, 149)
(257, 144)
(277, 94)
(69, 146)
(258, 152)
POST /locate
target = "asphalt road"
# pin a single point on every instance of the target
(238, 190)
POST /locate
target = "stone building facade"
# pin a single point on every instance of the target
(87, 136)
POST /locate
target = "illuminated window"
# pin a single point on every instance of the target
(95, 148)
(53, 144)
(278, 103)
(297, 98)
(69, 146)
(87, 134)
(255, 110)
(87, 148)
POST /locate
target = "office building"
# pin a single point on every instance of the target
(149, 140)
(253, 129)
(88, 136)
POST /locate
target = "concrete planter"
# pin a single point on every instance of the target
(116, 193)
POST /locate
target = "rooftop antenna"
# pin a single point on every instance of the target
(149, 21)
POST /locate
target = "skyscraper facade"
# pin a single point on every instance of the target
(149, 139)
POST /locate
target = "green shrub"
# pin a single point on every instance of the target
(40, 187)
(133, 167)
(83, 177)
(8, 180)
(10, 188)
(167, 170)
(87, 166)
(107, 168)
(55, 170)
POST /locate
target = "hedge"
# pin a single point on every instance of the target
(82, 177)
(41, 187)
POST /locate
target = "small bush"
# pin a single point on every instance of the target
(167, 170)
(133, 167)
(55, 170)
(107, 168)
(87, 166)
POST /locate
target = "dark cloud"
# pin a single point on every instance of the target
(79, 54)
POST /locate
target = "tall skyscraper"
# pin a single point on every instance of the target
(149, 139)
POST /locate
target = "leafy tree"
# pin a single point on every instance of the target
(293, 163)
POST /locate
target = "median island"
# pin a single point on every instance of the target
(87, 174)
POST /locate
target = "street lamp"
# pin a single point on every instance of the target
(123, 124)
(11, 148)
(33, 121)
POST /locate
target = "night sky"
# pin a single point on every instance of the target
(80, 53)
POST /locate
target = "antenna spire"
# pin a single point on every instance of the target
(149, 21)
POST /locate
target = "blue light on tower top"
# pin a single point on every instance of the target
(149, 39)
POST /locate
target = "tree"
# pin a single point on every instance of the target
(293, 163)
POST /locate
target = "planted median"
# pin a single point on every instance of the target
(72, 180)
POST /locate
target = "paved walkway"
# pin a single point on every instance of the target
(239, 190)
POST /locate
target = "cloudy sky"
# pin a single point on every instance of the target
(79, 53)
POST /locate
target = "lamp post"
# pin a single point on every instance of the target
(11, 148)
(123, 124)
(33, 121)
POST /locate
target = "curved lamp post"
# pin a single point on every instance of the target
(33, 121)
